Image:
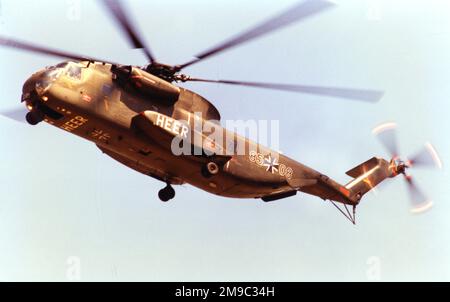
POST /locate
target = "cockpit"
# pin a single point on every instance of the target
(34, 91)
(47, 79)
(69, 69)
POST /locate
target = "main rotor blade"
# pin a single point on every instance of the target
(119, 13)
(297, 13)
(17, 114)
(386, 134)
(346, 93)
(44, 50)
(426, 157)
(419, 202)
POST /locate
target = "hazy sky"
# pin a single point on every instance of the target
(65, 204)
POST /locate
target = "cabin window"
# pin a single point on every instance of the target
(107, 89)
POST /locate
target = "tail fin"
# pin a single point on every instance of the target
(368, 175)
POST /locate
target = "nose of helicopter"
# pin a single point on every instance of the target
(30, 83)
(35, 86)
(33, 95)
(29, 93)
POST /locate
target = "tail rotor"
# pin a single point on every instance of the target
(386, 134)
(419, 201)
(427, 157)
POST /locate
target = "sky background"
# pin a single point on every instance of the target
(65, 206)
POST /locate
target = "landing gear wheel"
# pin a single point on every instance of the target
(34, 117)
(166, 193)
(210, 169)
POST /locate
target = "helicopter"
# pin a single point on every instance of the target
(136, 114)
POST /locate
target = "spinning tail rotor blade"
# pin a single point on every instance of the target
(346, 93)
(386, 134)
(119, 13)
(419, 202)
(297, 13)
(426, 157)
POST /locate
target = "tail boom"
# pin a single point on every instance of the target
(369, 174)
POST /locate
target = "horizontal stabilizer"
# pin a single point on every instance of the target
(362, 168)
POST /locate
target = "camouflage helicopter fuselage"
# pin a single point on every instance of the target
(133, 117)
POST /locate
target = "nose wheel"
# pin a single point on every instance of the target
(167, 193)
(34, 117)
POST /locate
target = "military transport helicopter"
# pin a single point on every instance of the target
(133, 114)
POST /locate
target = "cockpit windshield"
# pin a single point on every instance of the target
(73, 71)
(47, 79)
(69, 69)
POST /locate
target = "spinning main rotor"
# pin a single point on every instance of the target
(171, 73)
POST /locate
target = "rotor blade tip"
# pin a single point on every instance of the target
(384, 127)
(331, 3)
(379, 95)
(434, 155)
(422, 207)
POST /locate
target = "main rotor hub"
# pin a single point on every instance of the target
(163, 71)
